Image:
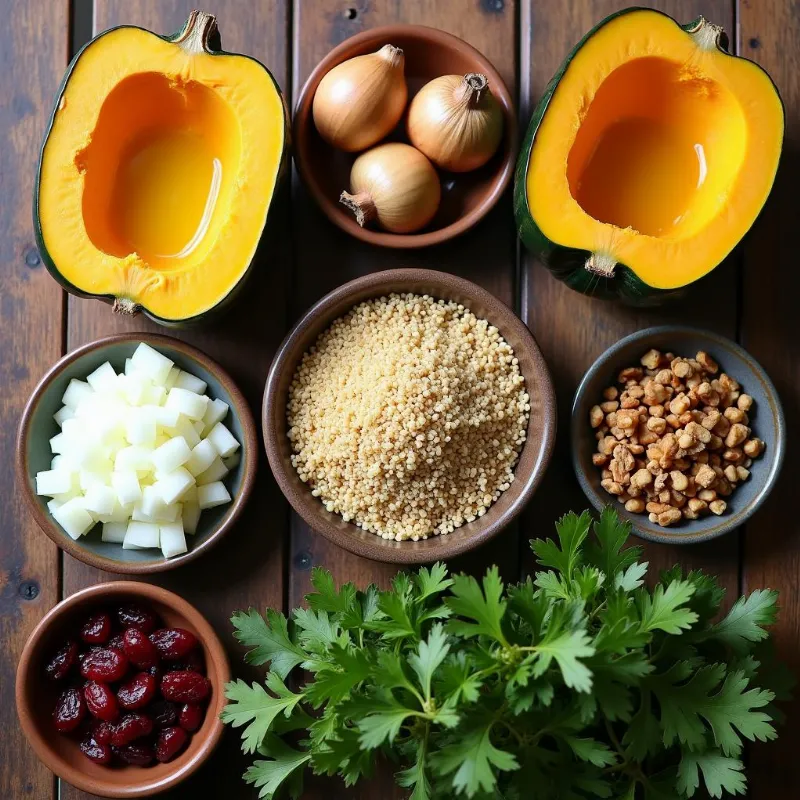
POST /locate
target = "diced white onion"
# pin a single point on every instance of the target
(141, 535)
(140, 452)
(114, 532)
(74, 518)
(174, 485)
(54, 481)
(212, 494)
(173, 542)
(190, 382)
(216, 472)
(151, 363)
(188, 403)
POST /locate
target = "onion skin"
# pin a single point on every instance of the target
(456, 121)
(394, 184)
(359, 101)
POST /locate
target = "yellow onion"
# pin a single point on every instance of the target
(456, 121)
(359, 101)
(394, 184)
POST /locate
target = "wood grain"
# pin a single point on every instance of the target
(328, 258)
(34, 47)
(572, 329)
(770, 35)
(246, 569)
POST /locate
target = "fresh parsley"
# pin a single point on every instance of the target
(581, 683)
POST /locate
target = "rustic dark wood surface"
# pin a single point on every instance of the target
(268, 559)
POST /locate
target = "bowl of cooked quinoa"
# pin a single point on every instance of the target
(409, 416)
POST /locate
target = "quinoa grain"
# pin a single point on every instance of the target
(407, 416)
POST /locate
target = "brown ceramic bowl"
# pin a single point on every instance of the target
(36, 695)
(466, 197)
(533, 459)
(38, 426)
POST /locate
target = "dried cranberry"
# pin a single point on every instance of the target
(133, 616)
(96, 751)
(169, 743)
(101, 731)
(139, 649)
(62, 662)
(163, 713)
(105, 665)
(193, 662)
(191, 717)
(185, 687)
(173, 643)
(97, 629)
(69, 711)
(139, 691)
(130, 727)
(139, 754)
(101, 701)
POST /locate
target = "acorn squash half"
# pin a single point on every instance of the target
(648, 158)
(158, 170)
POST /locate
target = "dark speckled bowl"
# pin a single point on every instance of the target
(766, 420)
(38, 426)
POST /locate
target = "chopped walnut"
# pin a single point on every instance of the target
(673, 437)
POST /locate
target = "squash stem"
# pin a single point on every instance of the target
(125, 307)
(601, 264)
(361, 204)
(708, 36)
(197, 32)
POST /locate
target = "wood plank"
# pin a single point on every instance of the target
(247, 568)
(34, 44)
(549, 32)
(329, 257)
(770, 35)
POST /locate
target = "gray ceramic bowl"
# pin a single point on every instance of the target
(38, 426)
(766, 420)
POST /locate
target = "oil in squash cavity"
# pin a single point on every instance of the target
(154, 177)
(631, 157)
(165, 193)
(657, 150)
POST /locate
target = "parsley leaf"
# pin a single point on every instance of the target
(254, 706)
(607, 553)
(744, 623)
(280, 770)
(579, 682)
(269, 639)
(327, 598)
(430, 654)
(485, 607)
(565, 556)
(473, 759)
(720, 774)
(662, 610)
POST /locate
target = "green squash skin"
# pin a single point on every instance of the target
(568, 263)
(214, 48)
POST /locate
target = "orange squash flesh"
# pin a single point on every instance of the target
(158, 172)
(657, 150)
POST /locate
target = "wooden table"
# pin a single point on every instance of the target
(267, 559)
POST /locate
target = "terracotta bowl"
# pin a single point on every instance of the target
(766, 420)
(36, 695)
(38, 426)
(535, 454)
(466, 197)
